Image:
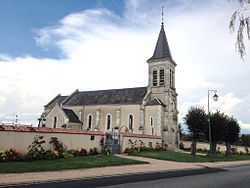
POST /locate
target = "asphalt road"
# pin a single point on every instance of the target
(233, 177)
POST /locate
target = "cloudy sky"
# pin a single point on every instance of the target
(49, 47)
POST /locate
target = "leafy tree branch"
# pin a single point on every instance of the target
(241, 20)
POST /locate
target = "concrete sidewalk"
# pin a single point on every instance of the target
(153, 166)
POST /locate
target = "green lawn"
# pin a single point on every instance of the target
(66, 163)
(185, 157)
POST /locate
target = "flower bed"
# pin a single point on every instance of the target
(36, 151)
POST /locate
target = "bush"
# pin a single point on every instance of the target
(3, 156)
(234, 151)
(10, 155)
(93, 151)
(83, 152)
(246, 150)
(36, 150)
(106, 150)
(128, 151)
(159, 147)
(77, 152)
(182, 146)
(49, 154)
(59, 147)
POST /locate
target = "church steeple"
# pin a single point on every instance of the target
(161, 87)
(162, 50)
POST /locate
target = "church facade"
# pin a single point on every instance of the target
(150, 110)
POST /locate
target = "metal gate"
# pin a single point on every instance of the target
(112, 141)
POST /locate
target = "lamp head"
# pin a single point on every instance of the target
(215, 97)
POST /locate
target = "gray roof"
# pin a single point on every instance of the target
(162, 50)
(71, 115)
(156, 101)
(113, 96)
(57, 100)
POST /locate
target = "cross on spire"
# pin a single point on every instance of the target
(162, 16)
(162, 50)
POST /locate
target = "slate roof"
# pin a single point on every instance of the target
(162, 50)
(71, 115)
(57, 100)
(113, 96)
(156, 101)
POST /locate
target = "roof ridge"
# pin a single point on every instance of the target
(70, 96)
(59, 95)
(112, 89)
(112, 96)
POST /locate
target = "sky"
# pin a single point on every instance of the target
(49, 47)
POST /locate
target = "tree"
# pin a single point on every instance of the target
(218, 130)
(245, 140)
(241, 19)
(232, 133)
(196, 120)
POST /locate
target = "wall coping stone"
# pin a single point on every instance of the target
(140, 135)
(47, 130)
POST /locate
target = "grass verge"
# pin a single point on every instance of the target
(66, 163)
(185, 157)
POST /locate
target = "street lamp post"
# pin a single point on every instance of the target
(215, 97)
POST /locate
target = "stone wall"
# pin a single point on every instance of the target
(21, 138)
(205, 146)
(146, 139)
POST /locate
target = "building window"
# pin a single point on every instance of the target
(152, 125)
(90, 120)
(151, 122)
(108, 122)
(170, 78)
(55, 121)
(92, 137)
(162, 77)
(130, 122)
(155, 78)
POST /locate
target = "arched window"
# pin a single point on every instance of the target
(55, 121)
(90, 120)
(130, 122)
(108, 122)
(155, 75)
(162, 77)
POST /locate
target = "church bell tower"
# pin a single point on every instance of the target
(161, 85)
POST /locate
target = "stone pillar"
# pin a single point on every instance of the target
(158, 121)
(118, 118)
(98, 113)
(142, 119)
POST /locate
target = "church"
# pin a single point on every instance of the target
(150, 110)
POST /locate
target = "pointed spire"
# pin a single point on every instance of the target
(162, 50)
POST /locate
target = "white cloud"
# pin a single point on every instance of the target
(2, 99)
(244, 125)
(226, 103)
(5, 58)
